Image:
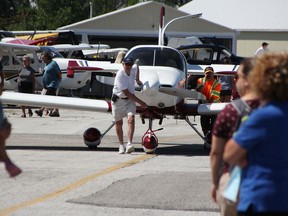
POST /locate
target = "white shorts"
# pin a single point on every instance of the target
(122, 108)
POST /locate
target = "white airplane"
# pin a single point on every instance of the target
(162, 71)
(11, 58)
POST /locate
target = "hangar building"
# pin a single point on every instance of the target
(139, 24)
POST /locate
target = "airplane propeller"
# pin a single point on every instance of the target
(184, 93)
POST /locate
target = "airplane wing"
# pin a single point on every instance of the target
(36, 100)
(103, 51)
(184, 93)
(15, 98)
(69, 47)
(211, 109)
(5, 47)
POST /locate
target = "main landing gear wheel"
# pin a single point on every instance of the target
(92, 138)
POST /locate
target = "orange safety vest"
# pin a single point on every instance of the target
(211, 89)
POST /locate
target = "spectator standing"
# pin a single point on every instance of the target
(262, 49)
(26, 82)
(210, 88)
(51, 80)
(225, 125)
(260, 145)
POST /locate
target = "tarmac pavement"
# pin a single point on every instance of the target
(61, 176)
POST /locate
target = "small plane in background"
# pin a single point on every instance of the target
(12, 50)
(11, 59)
(67, 43)
(83, 50)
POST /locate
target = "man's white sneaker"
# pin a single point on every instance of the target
(121, 149)
(129, 148)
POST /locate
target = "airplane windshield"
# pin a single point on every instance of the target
(159, 56)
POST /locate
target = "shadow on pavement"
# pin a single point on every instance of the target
(163, 149)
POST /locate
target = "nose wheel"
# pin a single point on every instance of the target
(149, 139)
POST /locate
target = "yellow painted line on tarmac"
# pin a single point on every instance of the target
(74, 185)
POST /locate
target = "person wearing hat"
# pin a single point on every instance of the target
(124, 102)
(210, 88)
(262, 49)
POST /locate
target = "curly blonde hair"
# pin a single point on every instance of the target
(269, 77)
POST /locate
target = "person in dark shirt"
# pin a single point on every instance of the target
(26, 82)
(225, 125)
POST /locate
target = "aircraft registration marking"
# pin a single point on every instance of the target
(75, 184)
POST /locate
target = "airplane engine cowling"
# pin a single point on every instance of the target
(149, 143)
(92, 137)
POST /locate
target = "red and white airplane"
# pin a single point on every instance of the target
(12, 51)
(11, 59)
(163, 72)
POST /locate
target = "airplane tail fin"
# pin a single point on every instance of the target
(70, 70)
(73, 65)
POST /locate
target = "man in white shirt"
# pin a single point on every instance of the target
(262, 49)
(124, 102)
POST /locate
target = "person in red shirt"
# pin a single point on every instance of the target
(210, 88)
(227, 122)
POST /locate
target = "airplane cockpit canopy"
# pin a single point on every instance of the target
(157, 56)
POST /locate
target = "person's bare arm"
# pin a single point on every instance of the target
(234, 154)
(200, 88)
(134, 98)
(59, 75)
(216, 156)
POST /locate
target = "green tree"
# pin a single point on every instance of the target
(14, 11)
(51, 14)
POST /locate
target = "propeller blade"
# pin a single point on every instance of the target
(184, 93)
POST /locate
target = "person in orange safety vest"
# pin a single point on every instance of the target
(210, 88)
